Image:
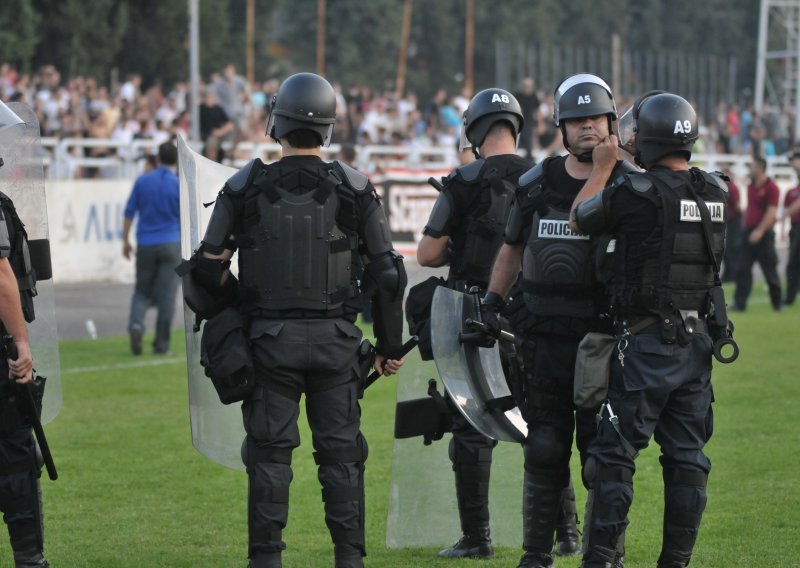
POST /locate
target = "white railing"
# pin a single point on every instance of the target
(68, 158)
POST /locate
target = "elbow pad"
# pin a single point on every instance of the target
(590, 215)
(388, 276)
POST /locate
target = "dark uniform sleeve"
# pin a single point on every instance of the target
(518, 224)
(385, 272)
(5, 241)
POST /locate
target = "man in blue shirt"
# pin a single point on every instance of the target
(154, 199)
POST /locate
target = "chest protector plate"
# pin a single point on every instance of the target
(481, 234)
(557, 265)
(671, 268)
(296, 256)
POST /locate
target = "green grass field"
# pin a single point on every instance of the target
(134, 492)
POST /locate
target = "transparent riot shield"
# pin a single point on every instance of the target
(22, 179)
(423, 510)
(217, 429)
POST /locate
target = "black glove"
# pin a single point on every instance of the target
(491, 306)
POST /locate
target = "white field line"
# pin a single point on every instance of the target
(131, 365)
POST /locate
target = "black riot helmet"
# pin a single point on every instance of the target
(305, 101)
(485, 109)
(662, 124)
(580, 96)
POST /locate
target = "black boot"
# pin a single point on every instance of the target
(472, 492)
(541, 502)
(600, 557)
(567, 535)
(536, 560)
(266, 560)
(470, 546)
(30, 559)
(347, 556)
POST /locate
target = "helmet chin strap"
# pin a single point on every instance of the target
(586, 157)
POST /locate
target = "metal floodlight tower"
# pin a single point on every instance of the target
(779, 22)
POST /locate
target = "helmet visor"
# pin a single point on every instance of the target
(627, 130)
(463, 143)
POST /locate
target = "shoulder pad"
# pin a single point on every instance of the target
(471, 171)
(533, 175)
(638, 182)
(241, 179)
(716, 178)
(624, 167)
(352, 177)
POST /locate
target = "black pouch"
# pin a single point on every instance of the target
(418, 313)
(593, 369)
(225, 356)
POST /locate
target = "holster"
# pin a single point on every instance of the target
(225, 356)
(366, 359)
(418, 313)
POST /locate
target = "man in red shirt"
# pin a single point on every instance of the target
(791, 212)
(759, 237)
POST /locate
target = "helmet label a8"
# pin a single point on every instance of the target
(498, 98)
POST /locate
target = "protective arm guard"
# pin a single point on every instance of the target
(440, 216)
(217, 237)
(203, 288)
(590, 215)
(388, 278)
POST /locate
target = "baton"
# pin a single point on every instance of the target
(402, 352)
(30, 408)
(436, 184)
(485, 329)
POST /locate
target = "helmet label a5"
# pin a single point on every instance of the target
(584, 100)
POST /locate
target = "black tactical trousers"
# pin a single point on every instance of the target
(20, 498)
(316, 357)
(471, 455)
(763, 252)
(663, 391)
(793, 265)
(552, 421)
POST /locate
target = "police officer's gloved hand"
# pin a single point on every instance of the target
(491, 306)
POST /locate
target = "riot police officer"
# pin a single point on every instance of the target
(560, 304)
(302, 228)
(665, 230)
(464, 231)
(20, 469)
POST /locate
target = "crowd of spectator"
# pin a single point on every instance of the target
(233, 111)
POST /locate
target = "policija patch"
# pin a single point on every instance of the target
(556, 229)
(691, 212)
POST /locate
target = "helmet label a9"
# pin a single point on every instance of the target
(682, 127)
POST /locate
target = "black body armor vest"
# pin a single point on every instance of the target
(670, 269)
(558, 278)
(299, 251)
(20, 257)
(481, 233)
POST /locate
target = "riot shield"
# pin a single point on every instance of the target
(22, 179)
(423, 510)
(473, 375)
(217, 429)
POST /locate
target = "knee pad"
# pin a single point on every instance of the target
(252, 454)
(543, 449)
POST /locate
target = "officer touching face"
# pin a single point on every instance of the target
(664, 231)
(555, 304)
